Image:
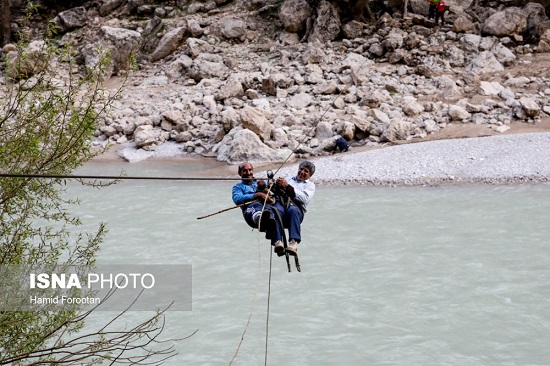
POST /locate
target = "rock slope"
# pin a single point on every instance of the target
(221, 81)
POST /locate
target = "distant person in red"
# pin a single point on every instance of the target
(440, 12)
(432, 8)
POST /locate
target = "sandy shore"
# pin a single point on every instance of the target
(459, 154)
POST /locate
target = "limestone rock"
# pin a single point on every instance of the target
(120, 42)
(327, 25)
(70, 19)
(458, 113)
(255, 120)
(169, 43)
(508, 22)
(531, 108)
(244, 145)
(323, 130)
(398, 129)
(293, 14)
(232, 28)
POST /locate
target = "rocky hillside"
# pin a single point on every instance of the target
(255, 80)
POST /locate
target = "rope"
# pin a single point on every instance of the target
(252, 304)
(268, 304)
(110, 177)
(257, 279)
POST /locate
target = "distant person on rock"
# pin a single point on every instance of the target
(341, 144)
(440, 12)
(432, 8)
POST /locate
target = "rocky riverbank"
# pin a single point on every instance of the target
(232, 93)
(344, 93)
(522, 157)
(503, 159)
(219, 80)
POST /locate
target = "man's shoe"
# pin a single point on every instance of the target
(292, 248)
(279, 248)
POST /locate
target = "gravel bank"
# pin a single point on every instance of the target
(492, 160)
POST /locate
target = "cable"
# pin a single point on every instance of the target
(111, 177)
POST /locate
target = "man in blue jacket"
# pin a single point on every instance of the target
(256, 204)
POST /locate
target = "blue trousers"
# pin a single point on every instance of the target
(292, 218)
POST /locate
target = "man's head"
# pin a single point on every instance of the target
(305, 170)
(246, 170)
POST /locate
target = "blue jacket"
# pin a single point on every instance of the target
(244, 192)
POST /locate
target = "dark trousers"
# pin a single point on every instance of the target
(431, 11)
(440, 15)
(291, 216)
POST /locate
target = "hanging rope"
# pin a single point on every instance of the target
(257, 280)
(268, 305)
(252, 304)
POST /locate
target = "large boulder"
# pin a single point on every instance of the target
(108, 6)
(463, 24)
(353, 29)
(169, 43)
(232, 88)
(503, 54)
(146, 136)
(195, 46)
(323, 130)
(544, 43)
(70, 19)
(398, 129)
(294, 14)
(537, 21)
(24, 63)
(119, 42)
(411, 107)
(208, 66)
(244, 145)
(327, 25)
(233, 28)
(508, 22)
(359, 66)
(484, 62)
(255, 120)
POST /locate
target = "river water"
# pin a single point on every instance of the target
(454, 275)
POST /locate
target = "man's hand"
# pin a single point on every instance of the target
(281, 182)
(261, 196)
(261, 186)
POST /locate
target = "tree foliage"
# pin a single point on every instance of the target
(48, 114)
